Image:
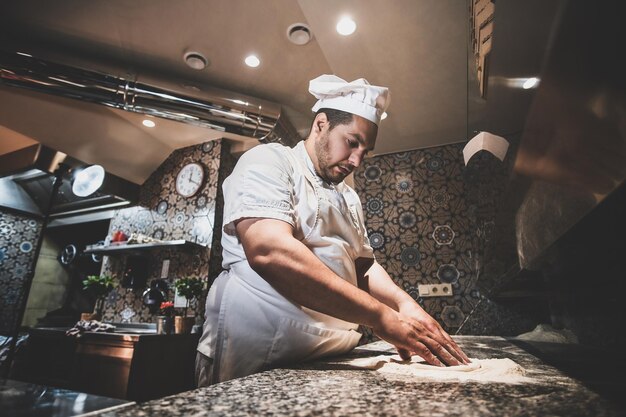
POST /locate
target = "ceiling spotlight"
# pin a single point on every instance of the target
(148, 123)
(88, 180)
(195, 60)
(530, 83)
(252, 61)
(383, 116)
(299, 34)
(346, 26)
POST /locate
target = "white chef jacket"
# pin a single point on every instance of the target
(249, 326)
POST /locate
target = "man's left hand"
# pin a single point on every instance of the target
(413, 310)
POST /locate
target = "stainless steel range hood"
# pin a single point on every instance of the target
(27, 176)
(207, 107)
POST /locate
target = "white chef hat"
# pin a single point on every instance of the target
(356, 97)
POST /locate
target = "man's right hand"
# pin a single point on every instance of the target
(410, 337)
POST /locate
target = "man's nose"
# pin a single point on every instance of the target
(356, 158)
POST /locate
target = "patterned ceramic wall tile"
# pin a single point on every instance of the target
(18, 238)
(164, 214)
(428, 218)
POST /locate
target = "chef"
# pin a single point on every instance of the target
(300, 274)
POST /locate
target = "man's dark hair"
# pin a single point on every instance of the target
(336, 117)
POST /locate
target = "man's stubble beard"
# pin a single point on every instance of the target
(322, 152)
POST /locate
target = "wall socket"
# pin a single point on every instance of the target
(434, 290)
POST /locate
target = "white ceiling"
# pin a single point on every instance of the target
(418, 48)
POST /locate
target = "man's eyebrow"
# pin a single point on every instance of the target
(360, 139)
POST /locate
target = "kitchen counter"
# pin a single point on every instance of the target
(131, 363)
(21, 399)
(327, 388)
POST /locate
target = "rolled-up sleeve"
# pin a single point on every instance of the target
(261, 186)
(366, 250)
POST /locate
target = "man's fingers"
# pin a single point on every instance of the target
(459, 352)
(451, 345)
(441, 352)
(425, 352)
(455, 349)
(439, 346)
(404, 354)
(444, 339)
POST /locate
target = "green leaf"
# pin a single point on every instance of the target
(99, 285)
(189, 287)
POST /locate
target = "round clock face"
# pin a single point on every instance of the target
(189, 179)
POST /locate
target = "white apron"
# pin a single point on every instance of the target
(249, 326)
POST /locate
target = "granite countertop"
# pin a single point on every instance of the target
(326, 388)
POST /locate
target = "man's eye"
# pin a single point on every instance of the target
(352, 143)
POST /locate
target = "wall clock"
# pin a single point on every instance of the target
(190, 179)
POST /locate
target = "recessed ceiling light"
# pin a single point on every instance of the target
(195, 60)
(383, 116)
(252, 61)
(346, 26)
(530, 83)
(299, 33)
(148, 123)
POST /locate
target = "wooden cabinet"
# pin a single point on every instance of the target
(127, 366)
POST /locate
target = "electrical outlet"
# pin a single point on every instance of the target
(165, 268)
(434, 290)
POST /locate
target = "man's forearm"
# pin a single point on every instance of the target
(295, 272)
(381, 286)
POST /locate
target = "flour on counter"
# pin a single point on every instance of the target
(546, 333)
(483, 370)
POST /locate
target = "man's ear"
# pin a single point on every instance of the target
(319, 122)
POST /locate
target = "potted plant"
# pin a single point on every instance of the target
(99, 286)
(190, 288)
(165, 322)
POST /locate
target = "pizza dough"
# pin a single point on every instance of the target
(483, 370)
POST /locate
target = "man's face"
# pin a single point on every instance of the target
(339, 151)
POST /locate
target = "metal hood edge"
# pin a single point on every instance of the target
(210, 107)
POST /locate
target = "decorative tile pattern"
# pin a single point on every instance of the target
(430, 219)
(164, 214)
(443, 235)
(452, 316)
(18, 238)
(448, 273)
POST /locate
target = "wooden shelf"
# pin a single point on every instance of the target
(140, 247)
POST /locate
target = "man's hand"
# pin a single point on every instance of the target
(411, 330)
(412, 336)
(414, 311)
